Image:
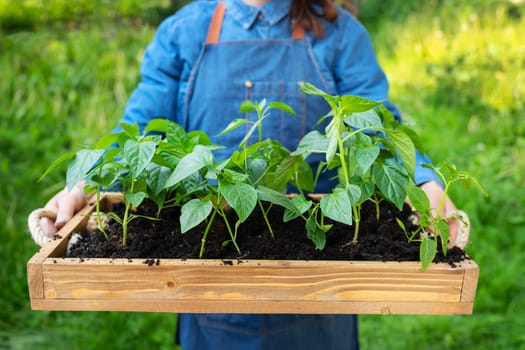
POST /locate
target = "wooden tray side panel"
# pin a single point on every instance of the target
(252, 286)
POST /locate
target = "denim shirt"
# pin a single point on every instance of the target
(344, 54)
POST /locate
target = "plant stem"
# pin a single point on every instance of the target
(125, 219)
(442, 201)
(340, 145)
(265, 216)
(208, 227)
(125, 224)
(377, 201)
(99, 222)
(223, 214)
(357, 219)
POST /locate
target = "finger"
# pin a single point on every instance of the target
(462, 229)
(65, 211)
(48, 226)
(453, 225)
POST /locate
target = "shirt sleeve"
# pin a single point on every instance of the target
(156, 94)
(357, 72)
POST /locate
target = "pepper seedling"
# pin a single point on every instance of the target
(431, 221)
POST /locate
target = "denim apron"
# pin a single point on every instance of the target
(225, 74)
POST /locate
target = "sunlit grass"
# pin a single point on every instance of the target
(458, 74)
(61, 88)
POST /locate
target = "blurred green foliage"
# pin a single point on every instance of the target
(457, 72)
(18, 15)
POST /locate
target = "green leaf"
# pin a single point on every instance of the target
(360, 120)
(282, 106)
(250, 131)
(190, 184)
(157, 176)
(301, 203)
(63, 158)
(463, 177)
(241, 197)
(268, 195)
(414, 137)
(131, 130)
(427, 252)
(391, 179)
(365, 157)
(233, 176)
(418, 198)
(247, 107)
(354, 193)
(135, 198)
(315, 233)
(309, 89)
(313, 142)
(443, 231)
(305, 176)
(356, 104)
(286, 170)
(177, 136)
(138, 155)
(256, 168)
(234, 124)
(199, 137)
(106, 180)
(82, 163)
(405, 148)
(108, 140)
(402, 226)
(189, 164)
(332, 136)
(337, 206)
(157, 125)
(366, 189)
(193, 213)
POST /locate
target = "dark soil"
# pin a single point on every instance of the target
(151, 240)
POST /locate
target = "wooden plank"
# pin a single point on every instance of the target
(289, 280)
(255, 307)
(470, 281)
(35, 278)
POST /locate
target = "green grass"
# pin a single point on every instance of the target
(61, 88)
(456, 70)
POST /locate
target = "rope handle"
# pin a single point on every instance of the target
(33, 222)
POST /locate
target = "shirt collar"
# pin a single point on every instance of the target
(273, 11)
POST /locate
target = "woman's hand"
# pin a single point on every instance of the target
(434, 193)
(65, 204)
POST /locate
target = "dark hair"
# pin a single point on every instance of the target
(304, 12)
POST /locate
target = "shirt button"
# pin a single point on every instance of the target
(248, 84)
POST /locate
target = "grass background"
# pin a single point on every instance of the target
(457, 71)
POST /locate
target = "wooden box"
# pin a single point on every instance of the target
(244, 286)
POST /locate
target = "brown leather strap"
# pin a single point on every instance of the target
(216, 24)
